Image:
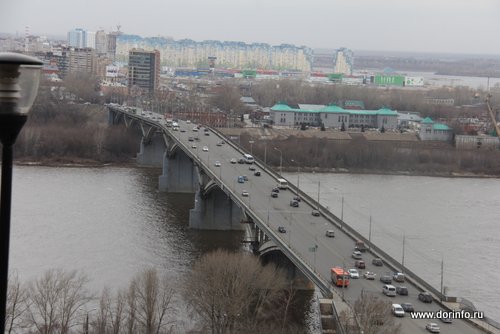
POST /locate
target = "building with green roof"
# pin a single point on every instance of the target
(332, 116)
(430, 130)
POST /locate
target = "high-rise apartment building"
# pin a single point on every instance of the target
(343, 61)
(76, 38)
(81, 60)
(90, 39)
(101, 42)
(144, 69)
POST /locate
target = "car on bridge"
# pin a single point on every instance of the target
(397, 310)
(330, 233)
(217, 164)
(233, 160)
(194, 146)
(402, 290)
(398, 277)
(425, 297)
(377, 262)
(294, 203)
(360, 264)
(241, 179)
(244, 193)
(357, 255)
(389, 290)
(432, 327)
(275, 190)
(205, 148)
(256, 173)
(315, 213)
(252, 168)
(353, 273)
(408, 307)
(281, 229)
(369, 275)
(274, 195)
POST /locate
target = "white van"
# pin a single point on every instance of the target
(282, 184)
(397, 310)
(248, 158)
(389, 290)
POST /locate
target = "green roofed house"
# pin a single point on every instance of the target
(332, 116)
(430, 130)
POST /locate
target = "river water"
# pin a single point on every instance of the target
(112, 222)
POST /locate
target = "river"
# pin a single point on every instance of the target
(112, 222)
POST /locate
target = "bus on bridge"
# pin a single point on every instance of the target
(340, 277)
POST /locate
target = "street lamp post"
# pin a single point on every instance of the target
(19, 78)
(251, 146)
(281, 158)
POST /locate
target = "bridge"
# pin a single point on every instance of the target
(199, 161)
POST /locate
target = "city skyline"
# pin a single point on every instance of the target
(429, 26)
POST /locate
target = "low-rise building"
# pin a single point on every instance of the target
(332, 116)
(430, 130)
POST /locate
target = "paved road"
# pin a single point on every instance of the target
(304, 231)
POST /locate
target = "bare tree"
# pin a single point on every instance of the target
(54, 299)
(370, 315)
(153, 301)
(17, 302)
(231, 291)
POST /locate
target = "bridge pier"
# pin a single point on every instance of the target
(178, 174)
(151, 152)
(215, 211)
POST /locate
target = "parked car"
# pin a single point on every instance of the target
(408, 307)
(274, 194)
(402, 290)
(353, 273)
(356, 255)
(360, 264)
(377, 262)
(389, 290)
(425, 297)
(281, 229)
(432, 327)
(330, 233)
(386, 279)
(315, 213)
(397, 310)
(294, 203)
(369, 275)
(257, 173)
(244, 193)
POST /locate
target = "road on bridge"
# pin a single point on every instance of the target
(305, 233)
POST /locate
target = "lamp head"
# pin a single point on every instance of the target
(19, 79)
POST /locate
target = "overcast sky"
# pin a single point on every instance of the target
(451, 26)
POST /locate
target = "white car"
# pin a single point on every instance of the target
(194, 146)
(244, 193)
(432, 327)
(353, 273)
(205, 148)
(357, 255)
(397, 310)
(217, 164)
(369, 275)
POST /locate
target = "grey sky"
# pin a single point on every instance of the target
(455, 26)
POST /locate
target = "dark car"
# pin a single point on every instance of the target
(398, 277)
(257, 173)
(360, 264)
(408, 307)
(377, 262)
(252, 168)
(273, 194)
(275, 190)
(425, 297)
(315, 213)
(281, 229)
(241, 161)
(386, 279)
(294, 203)
(296, 198)
(402, 290)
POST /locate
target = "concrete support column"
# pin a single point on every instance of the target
(178, 174)
(215, 212)
(151, 152)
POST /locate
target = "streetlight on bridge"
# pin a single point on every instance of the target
(251, 146)
(19, 78)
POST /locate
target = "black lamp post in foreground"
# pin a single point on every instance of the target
(19, 78)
